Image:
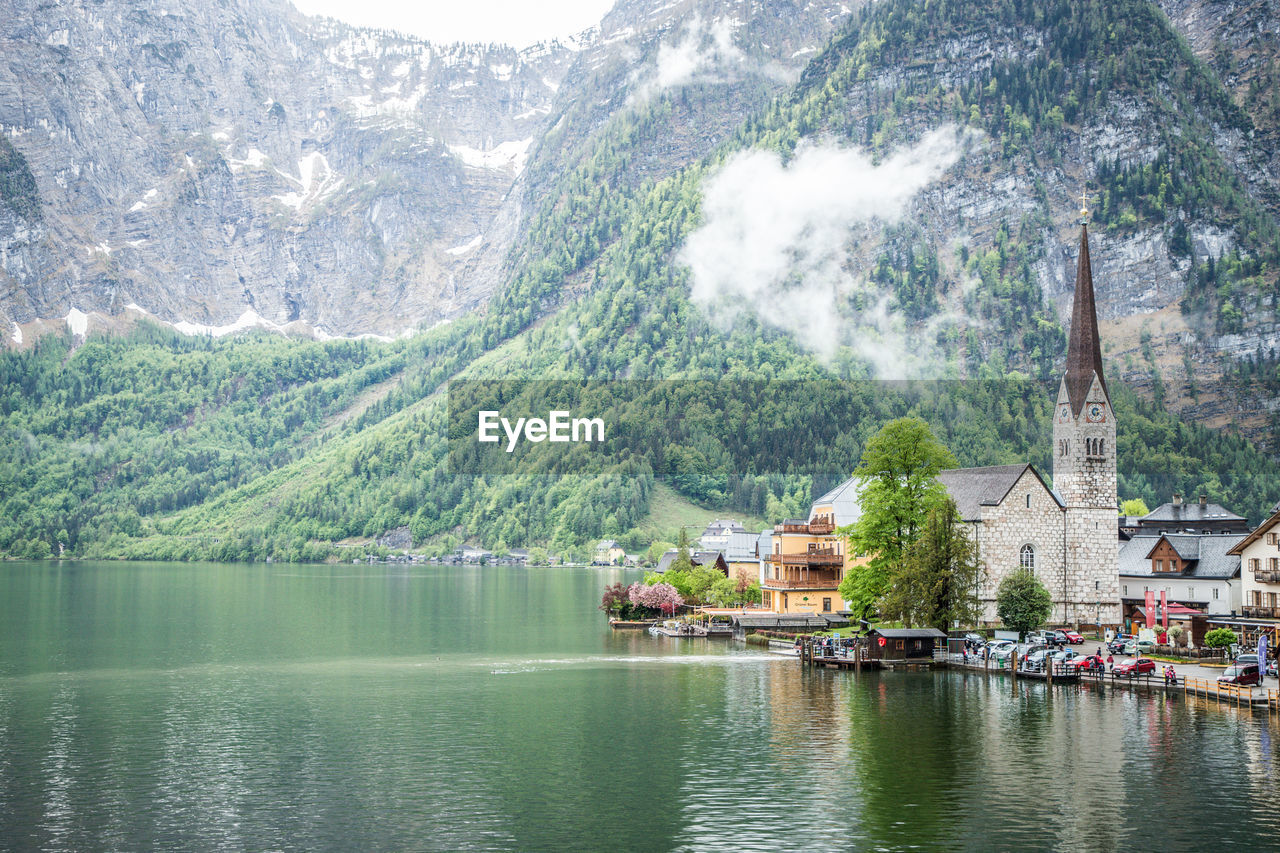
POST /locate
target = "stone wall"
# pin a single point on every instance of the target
(1004, 529)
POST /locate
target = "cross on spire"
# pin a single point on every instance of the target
(1084, 206)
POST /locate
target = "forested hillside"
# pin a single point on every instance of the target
(155, 445)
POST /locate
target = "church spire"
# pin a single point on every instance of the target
(1084, 349)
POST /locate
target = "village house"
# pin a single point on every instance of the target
(1196, 573)
(717, 534)
(714, 559)
(609, 553)
(807, 560)
(742, 556)
(1201, 517)
(1259, 555)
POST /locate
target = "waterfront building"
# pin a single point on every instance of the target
(742, 556)
(1259, 555)
(890, 644)
(609, 553)
(714, 559)
(807, 559)
(1197, 572)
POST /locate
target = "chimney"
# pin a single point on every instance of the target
(1177, 499)
(1204, 500)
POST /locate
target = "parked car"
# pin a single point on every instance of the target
(1090, 663)
(1242, 674)
(1273, 668)
(1118, 642)
(1130, 668)
(1071, 637)
(1001, 650)
(974, 641)
(1248, 657)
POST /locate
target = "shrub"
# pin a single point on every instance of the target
(1220, 638)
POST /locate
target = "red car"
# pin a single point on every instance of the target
(1131, 668)
(1090, 663)
(1073, 638)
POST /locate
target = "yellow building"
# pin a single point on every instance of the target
(807, 561)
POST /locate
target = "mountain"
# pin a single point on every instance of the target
(903, 206)
(218, 164)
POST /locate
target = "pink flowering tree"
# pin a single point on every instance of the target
(661, 597)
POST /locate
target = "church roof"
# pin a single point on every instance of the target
(974, 488)
(1084, 348)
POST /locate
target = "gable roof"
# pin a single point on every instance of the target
(1264, 527)
(908, 633)
(1084, 347)
(742, 546)
(1185, 545)
(974, 488)
(843, 500)
(1214, 558)
(1191, 513)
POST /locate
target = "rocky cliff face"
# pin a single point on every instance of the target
(231, 162)
(209, 160)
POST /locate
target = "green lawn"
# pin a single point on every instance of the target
(669, 511)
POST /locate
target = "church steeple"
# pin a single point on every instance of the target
(1084, 349)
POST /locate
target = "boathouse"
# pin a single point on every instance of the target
(904, 643)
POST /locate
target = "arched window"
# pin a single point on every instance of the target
(1027, 557)
(1028, 500)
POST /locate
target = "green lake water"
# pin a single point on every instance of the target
(223, 707)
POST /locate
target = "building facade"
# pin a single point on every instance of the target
(1259, 554)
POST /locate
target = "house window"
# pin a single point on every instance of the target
(1271, 539)
(1257, 598)
(768, 598)
(1159, 565)
(1027, 557)
(1028, 500)
(1273, 563)
(1215, 593)
(1126, 589)
(897, 644)
(826, 605)
(1271, 599)
(1253, 563)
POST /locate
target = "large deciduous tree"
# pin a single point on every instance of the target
(937, 584)
(1022, 602)
(897, 487)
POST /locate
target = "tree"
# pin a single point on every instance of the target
(1022, 602)
(1219, 638)
(724, 592)
(656, 550)
(897, 487)
(662, 597)
(682, 563)
(615, 597)
(1134, 506)
(537, 556)
(701, 581)
(938, 582)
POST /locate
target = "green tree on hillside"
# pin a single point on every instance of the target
(682, 563)
(897, 488)
(937, 584)
(1022, 602)
(1134, 506)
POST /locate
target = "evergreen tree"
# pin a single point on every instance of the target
(1022, 602)
(937, 585)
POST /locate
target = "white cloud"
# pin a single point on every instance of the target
(700, 51)
(773, 243)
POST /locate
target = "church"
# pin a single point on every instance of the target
(1068, 534)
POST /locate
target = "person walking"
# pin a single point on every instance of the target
(1111, 662)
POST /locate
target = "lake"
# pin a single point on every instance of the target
(280, 707)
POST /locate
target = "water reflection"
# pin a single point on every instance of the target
(207, 707)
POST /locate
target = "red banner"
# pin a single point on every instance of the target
(1164, 609)
(1151, 608)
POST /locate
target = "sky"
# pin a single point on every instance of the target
(519, 23)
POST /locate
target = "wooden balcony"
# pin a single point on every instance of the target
(1266, 576)
(792, 527)
(815, 580)
(1250, 611)
(822, 525)
(824, 557)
